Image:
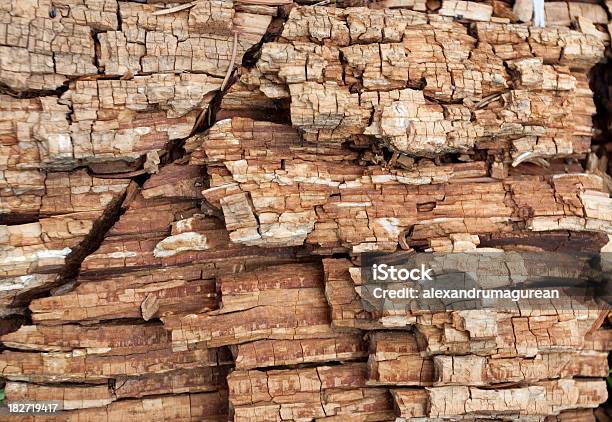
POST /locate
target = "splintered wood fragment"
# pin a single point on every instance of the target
(170, 290)
(175, 9)
(531, 157)
(230, 68)
(601, 318)
(149, 307)
(325, 391)
(290, 197)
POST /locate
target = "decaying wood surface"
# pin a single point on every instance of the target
(186, 189)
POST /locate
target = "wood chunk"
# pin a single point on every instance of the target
(324, 391)
(417, 5)
(499, 334)
(543, 399)
(586, 26)
(348, 78)
(477, 370)
(509, 335)
(35, 253)
(593, 12)
(49, 43)
(581, 415)
(347, 310)
(248, 290)
(599, 340)
(33, 134)
(207, 407)
(97, 396)
(118, 121)
(541, 140)
(176, 289)
(175, 181)
(413, 403)
(410, 403)
(71, 353)
(125, 119)
(149, 307)
(192, 380)
(523, 10)
(287, 196)
(291, 306)
(154, 232)
(25, 251)
(71, 397)
(77, 191)
(264, 353)
(194, 40)
(197, 40)
(395, 360)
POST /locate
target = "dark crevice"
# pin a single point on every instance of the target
(14, 219)
(119, 19)
(10, 324)
(67, 276)
(66, 280)
(310, 365)
(65, 384)
(418, 84)
(433, 99)
(562, 241)
(33, 93)
(382, 153)
(600, 81)
(344, 64)
(209, 116)
(174, 151)
(340, 255)
(97, 51)
(275, 28)
(279, 112)
(275, 111)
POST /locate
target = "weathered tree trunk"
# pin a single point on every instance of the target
(187, 188)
